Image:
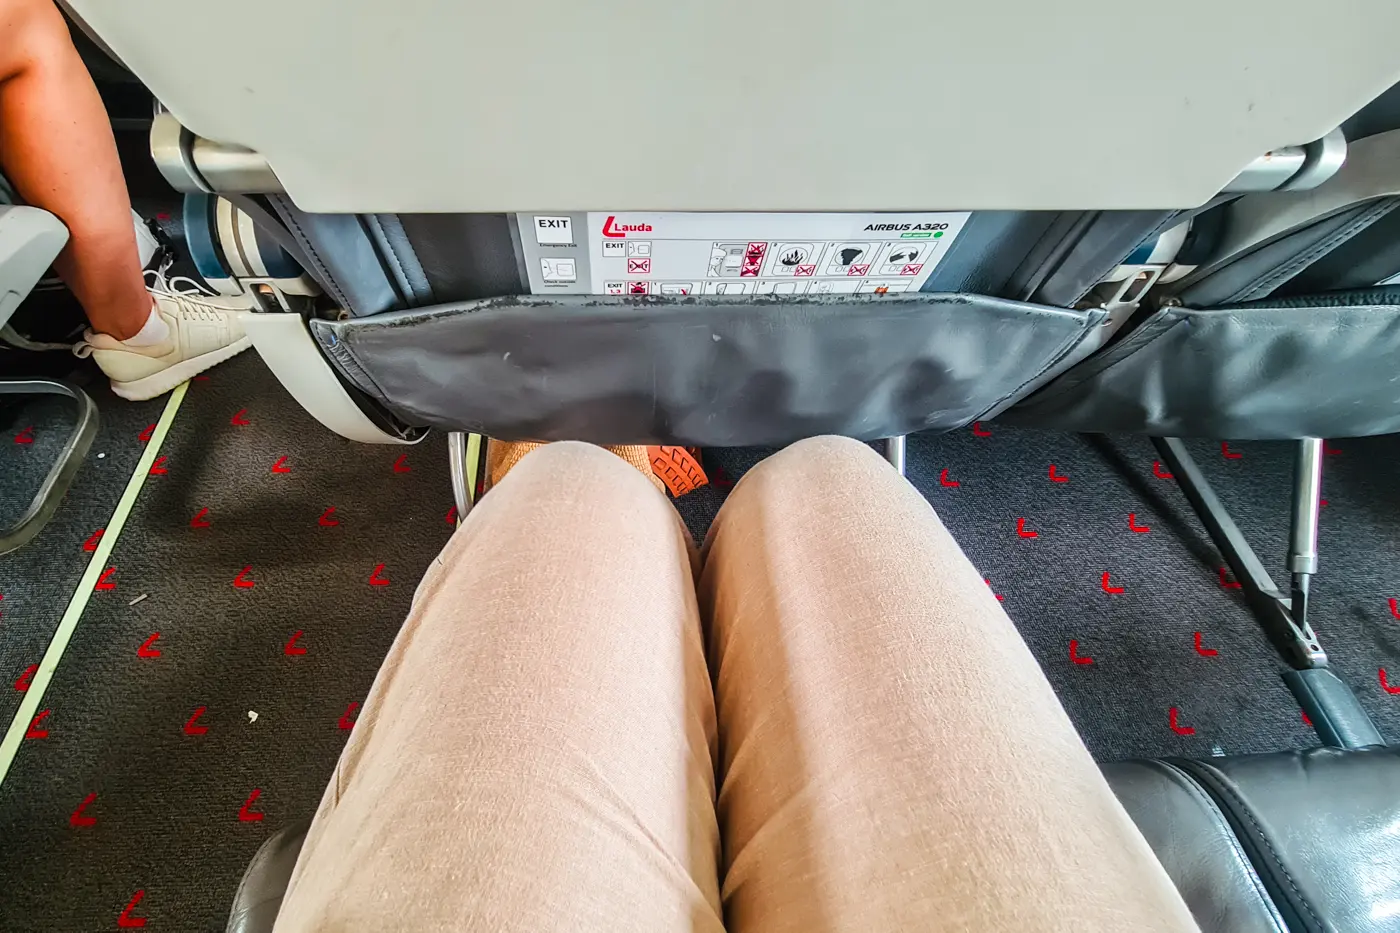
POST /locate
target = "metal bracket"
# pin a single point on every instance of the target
(1324, 157)
(193, 164)
(457, 469)
(1129, 294)
(70, 458)
(1288, 630)
(463, 461)
(1292, 168)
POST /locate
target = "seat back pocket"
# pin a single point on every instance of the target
(1325, 365)
(706, 370)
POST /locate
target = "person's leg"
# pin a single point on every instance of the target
(536, 753)
(56, 147)
(891, 756)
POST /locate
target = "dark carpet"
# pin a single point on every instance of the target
(37, 581)
(1355, 609)
(278, 562)
(1119, 592)
(185, 728)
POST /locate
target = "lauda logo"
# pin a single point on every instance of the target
(611, 228)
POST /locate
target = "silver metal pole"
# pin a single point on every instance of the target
(1272, 608)
(894, 452)
(1307, 504)
(457, 468)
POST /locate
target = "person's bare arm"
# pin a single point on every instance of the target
(57, 149)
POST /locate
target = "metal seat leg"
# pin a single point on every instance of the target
(1273, 609)
(1307, 504)
(894, 452)
(1336, 714)
(60, 476)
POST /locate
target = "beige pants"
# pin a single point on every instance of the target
(843, 731)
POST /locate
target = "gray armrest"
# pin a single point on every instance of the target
(30, 240)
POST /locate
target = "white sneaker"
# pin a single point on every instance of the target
(204, 331)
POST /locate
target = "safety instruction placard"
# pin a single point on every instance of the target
(675, 254)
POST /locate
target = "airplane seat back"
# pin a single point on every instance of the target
(878, 221)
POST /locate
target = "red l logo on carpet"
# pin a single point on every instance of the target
(26, 436)
(239, 420)
(146, 435)
(291, 647)
(1075, 656)
(1203, 651)
(241, 581)
(34, 732)
(190, 727)
(201, 519)
(1109, 588)
(1385, 685)
(158, 468)
(1394, 607)
(104, 582)
(1226, 582)
(1134, 526)
(1177, 727)
(345, 721)
(980, 431)
(1227, 453)
(27, 678)
(1056, 477)
(126, 920)
(245, 813)
(1021, 530)
(375, 578)
(325, 521)
(401, 464)
(77, 818)
(90, 544)
(1160, 473)
(943, 480)
(280, 466)
(148, 649)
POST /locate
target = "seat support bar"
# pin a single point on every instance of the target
(1274, 611)
(60, 476)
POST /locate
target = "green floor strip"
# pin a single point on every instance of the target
(474, 444)
(34, 696)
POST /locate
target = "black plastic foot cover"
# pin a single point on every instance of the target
(1334, 710)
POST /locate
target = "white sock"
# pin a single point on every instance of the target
(154, 331)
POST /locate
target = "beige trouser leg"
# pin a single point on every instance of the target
(892, 758)
(536, 753)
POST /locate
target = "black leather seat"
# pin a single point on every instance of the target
(1295, 841)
